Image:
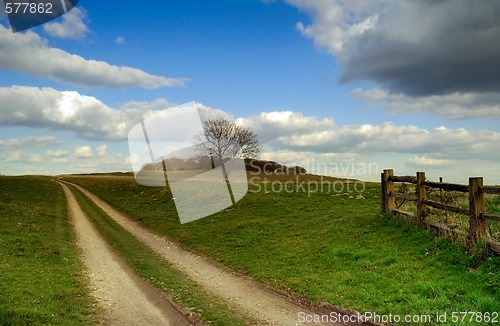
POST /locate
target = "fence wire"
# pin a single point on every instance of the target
(493, 207)
(453, 198)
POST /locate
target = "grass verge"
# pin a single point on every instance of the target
(41, 279)
(325, 246)
(150, 266)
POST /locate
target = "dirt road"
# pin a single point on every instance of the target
(242, 293)
(125, 299)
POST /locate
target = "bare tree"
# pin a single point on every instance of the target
(224, 139)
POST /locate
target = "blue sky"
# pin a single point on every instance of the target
(411, 85)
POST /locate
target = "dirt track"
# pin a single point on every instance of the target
(124, 298)
(242, 293)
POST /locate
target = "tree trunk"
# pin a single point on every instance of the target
(226, 179)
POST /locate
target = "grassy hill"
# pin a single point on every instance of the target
(321, 246)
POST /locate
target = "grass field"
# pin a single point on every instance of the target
(41, 277)
(323, 246)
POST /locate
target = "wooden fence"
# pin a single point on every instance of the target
(478, 217)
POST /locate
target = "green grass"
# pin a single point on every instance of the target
(41, 279)
(323, 247)
(157, 271)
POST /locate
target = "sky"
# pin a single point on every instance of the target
(344, 88)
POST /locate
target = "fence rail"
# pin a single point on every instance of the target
(478, 217)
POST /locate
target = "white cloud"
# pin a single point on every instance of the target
(27, 52)
(20, 157)
(361, 151)
(114, 163)
(336, 23)
(275, 127)
(60, 160)
(88, 166)
(207, 113)
(287, 136)
(424, 161)
(73, 25)
(88, 117)
(68, 110)
(120, 40)
(57, 153)
(451, 106)
(102, 150)
(292, 131)
(56, 162)
(83, 152)
(158, 104)
(46, 141)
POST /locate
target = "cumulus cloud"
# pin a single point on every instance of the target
(274, 128)
(424, 161)
(361, 151)
(27, 52)
(73, 25)
(20, 157)
(83, 160)
(209, 113)
(83, 152)
(292, 131)
(59, 160)
(118, 162)
(102, 150)
(158, 104)
(88, 117)
(58, 156)
(57, 153)
(46, 141)
(417, 47)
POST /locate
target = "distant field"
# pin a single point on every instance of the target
(41, 278)
(324, 246)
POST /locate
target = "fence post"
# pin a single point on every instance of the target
(384, 187)
(388, 201)
(421, 195)
(478, 225)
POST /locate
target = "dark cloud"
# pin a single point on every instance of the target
(459, 53)
(418, 47)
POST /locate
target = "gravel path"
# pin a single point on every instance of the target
(125, 299)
